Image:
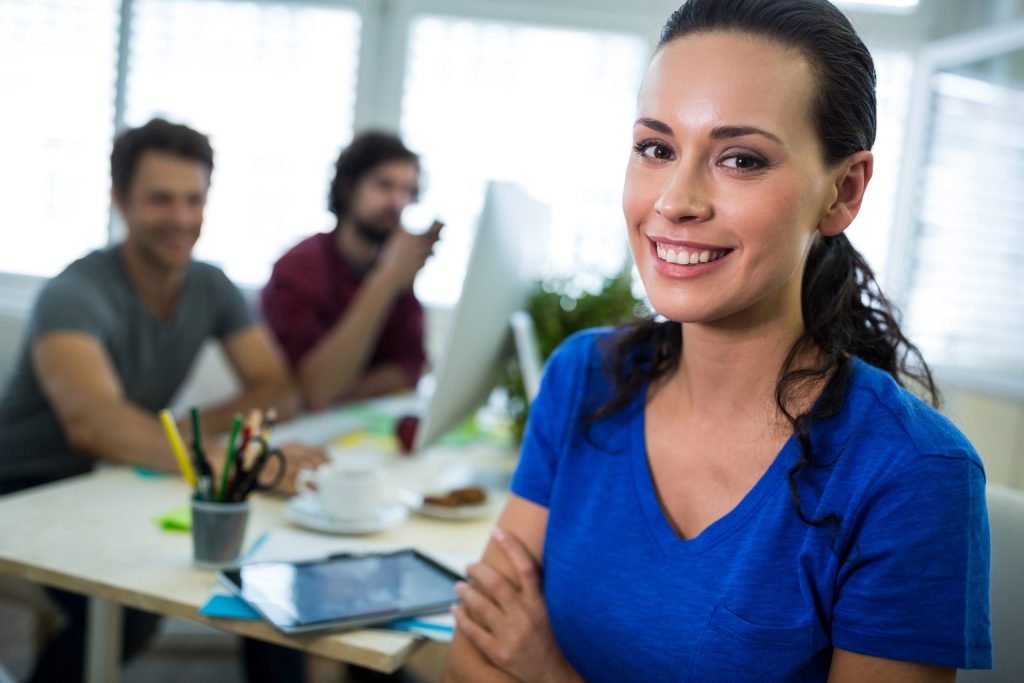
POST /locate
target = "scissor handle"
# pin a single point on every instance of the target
(261, 465)
(249, 479)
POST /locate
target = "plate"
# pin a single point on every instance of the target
(488, 508)
(306, 512)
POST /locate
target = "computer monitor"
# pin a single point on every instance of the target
(504, 265)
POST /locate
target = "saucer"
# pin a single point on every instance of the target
(488, 508)
(306, 512)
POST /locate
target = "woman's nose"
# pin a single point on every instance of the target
(686, 196)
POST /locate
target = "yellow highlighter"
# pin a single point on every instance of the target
(178, 446)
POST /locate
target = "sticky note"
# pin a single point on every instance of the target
(176, 519)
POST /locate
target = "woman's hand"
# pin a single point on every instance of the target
(509, 624)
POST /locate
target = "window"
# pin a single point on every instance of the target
(57, 82)
(551, 109)
(273, 85)
(872, 231)
(966, 304)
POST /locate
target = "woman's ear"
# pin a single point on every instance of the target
(852, 179)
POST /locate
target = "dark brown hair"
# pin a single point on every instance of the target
(161, 136)
(366, 152)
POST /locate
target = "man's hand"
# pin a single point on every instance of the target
(404, 255)
(299, 456)
(508, 624)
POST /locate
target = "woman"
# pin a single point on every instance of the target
(744, 491)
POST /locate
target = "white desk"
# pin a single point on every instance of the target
(96, 535)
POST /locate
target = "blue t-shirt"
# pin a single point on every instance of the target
(759, 595)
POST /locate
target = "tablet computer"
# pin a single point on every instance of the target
(344, 591)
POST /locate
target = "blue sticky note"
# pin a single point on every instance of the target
(228, 607)
(412, 624)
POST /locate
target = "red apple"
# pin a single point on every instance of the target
(405, 431)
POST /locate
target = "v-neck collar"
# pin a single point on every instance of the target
(148, 315)
(670, 542)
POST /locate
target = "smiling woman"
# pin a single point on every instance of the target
(739, 483)
(714, 177)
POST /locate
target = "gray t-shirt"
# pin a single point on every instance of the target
(151, 357)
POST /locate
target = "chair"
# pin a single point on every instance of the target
(1006, 517)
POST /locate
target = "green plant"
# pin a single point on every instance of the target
(559, 309)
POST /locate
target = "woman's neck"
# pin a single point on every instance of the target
(728, 372)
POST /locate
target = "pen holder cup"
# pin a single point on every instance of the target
(218, 530)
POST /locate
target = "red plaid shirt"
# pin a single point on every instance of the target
(310, 289)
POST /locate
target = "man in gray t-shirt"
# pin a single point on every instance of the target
(95, 299)
(111, 340)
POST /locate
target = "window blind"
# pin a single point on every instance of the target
(871, 232)
(966, 302)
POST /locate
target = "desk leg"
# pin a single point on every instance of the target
(103, 641)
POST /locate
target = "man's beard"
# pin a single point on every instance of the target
(375, 232)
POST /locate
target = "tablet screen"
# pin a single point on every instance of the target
(346, 590)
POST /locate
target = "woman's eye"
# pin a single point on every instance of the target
(744, 162)
(653, 150)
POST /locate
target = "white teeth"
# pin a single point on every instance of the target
(684, 257)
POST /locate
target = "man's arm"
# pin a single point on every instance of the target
(264, 377)
(79, 381)
(332, 370)
(388, 378)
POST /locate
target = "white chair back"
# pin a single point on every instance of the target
(1006, 518)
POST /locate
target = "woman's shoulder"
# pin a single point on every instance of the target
(583, 348)
(575, 369)
(884, 412)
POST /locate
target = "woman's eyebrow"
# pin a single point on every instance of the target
(655, 125)
(717, 133)
(726, 132)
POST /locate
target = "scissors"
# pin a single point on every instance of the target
(248, 478)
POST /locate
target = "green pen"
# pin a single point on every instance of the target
(236, 427)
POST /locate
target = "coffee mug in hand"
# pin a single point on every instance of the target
(345, 491)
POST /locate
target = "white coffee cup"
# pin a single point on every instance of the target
(349, 491)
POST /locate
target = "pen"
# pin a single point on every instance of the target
(269, 419)
(236, 476)
(204, 490)
(171, 430)
(253, 429)
(236, 427)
